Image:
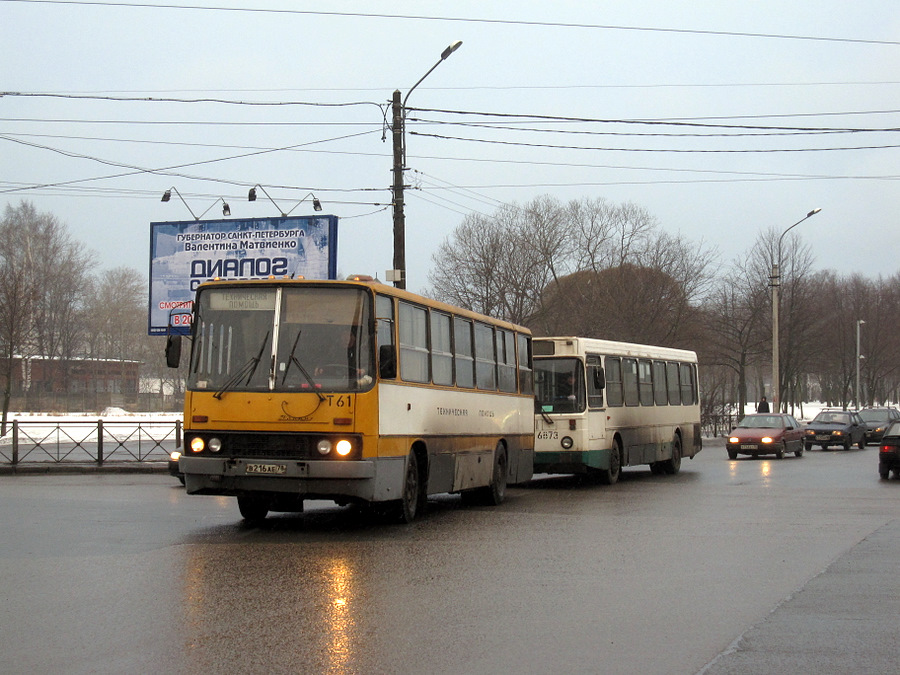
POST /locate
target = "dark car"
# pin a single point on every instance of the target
(877, 420)
(766, 434)
(889, 451)
(173, 466)
(836, 427)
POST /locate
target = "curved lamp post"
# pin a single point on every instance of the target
(776, 283)
(398, 274)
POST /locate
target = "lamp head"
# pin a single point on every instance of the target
(226, 210)
(449, 50)
(317, 205)
(251, 196)
(167, 195)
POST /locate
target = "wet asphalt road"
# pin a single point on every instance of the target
(115, 573)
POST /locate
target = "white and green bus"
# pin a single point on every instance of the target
(602, 405)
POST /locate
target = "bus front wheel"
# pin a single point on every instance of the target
(411, 501)
(611, 475)
(253, 508)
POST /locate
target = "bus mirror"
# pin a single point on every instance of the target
(387, 362)
(173, 351)
(599, 379)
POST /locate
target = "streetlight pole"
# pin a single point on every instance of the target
(859, 357)
(776, 301)
(398, 274)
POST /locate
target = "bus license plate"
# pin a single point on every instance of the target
(275, 469)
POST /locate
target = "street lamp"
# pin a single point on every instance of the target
(167, 195)
(776, 282)
(859, 357)
(251, 197)
(398, 273)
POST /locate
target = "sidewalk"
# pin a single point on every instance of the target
(843, 621)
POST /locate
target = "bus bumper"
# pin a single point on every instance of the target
(368, 480)
(571, 461)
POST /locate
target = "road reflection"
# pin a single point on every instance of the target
(295, 603)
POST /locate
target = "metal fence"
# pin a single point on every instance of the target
(97, 442)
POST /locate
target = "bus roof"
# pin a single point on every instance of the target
(574, 346)
(371, 284)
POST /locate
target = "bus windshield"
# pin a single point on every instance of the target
(559, 385)
(282, 339)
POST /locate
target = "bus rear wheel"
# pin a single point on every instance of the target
(495, 493)
(673, 465)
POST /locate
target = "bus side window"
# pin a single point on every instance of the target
(441, 351)
(526, 375)
(595, 382)
(384, 328)
(630, 381)
(485, 357)
(506, 360)
(660, 393)
(687, 384)
(463, 355)
(614, 381)
(413, 330)
(674, 386)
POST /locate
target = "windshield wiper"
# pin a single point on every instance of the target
(247, 369)
(293, 359)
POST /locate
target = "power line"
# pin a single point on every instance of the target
(468, 20)
(658, 150)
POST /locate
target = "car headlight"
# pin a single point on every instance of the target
(766, 439)
(734, 439)
(567, 442)
(324, 446)
(197, 444)
(343, 448)
(174, 455)
(810, 432)
(215, 444)
(838, 432)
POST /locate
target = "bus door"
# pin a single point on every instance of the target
(596, 415)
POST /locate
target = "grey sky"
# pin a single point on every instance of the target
(811, 64)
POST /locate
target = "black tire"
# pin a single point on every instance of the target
(732, 454)
(673, 465)
(611, 475)
(799, 451)
(862, 443)
(495, 493)
(411, 502)
(807, 447)
(847, 444)
(253, 508)
(779, 453)
(884, 473)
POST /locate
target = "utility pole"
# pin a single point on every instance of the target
(398, 109)
(399, 270)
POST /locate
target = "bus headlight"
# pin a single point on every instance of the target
(343, 448)
(215, 444)
(324, 446)
(197, 444)
(567, 442)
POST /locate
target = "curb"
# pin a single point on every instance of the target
(73, 468)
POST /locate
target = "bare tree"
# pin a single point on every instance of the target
(42, 272)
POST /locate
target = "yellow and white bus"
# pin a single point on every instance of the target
(603, 405)
(352, 391)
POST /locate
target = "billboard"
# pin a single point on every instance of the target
(184, 254)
